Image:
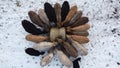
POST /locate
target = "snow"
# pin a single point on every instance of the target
(103, 48)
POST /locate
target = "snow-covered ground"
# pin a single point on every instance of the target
(103, 48)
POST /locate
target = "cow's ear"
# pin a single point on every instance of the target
(31, 28)
(76, 63)
(64, 10)
(33, 52)
(50, 12)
